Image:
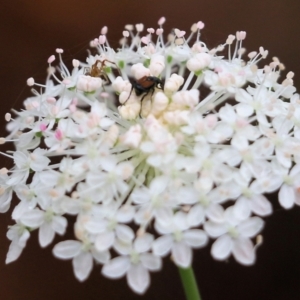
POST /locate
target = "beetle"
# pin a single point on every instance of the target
(145, 85)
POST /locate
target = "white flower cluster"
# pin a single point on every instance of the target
(195, 143)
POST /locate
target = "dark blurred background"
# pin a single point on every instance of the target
(30, 32)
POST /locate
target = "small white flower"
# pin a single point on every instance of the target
(135, 263)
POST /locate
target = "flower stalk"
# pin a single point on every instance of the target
(189, 283)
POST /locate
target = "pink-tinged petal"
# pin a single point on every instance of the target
(13, 253)
(260, 205)
(138, 278)
(82, 265)
(251, 227)
(46, 234)
(116, 268)
(222, 247)
(162, 245)
(286, 196)
(151, 262)
(214, 229)
(67, 249)
(182, 254)
(195, 238)
(104, 240)
(243, 251)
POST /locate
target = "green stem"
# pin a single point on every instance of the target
(189, 283)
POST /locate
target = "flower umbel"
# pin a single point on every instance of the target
(188, 153)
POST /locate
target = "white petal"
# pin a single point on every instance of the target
(125, 214)
(46, 234)
(82, 265)
(124, 233)
(23, 238)
(67, 249)
(182, 254)
(101, 257)
(251, 227)
(49, 178)
(241, 208)
(214, 229)
(104, 240)
(222, 247)
(244, 110)
(286, 196)
(59, 224)
(138, 278)
(195, 216)
(215, 212)
(162, 245)
(151, 262)
(195, 238)
(143, 243)
(260, 205)
(5, 200)
(13, 253)
(116, 268)
(140, 196)
(243, 251)
(33, 218)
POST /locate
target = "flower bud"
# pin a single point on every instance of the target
(139, 71)
(157, 64)
(198, 62)
(88, 83)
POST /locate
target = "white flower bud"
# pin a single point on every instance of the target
(157, 64)
(159, 103)
(131, 110)
(173, 83)
(177, 117)
(88, 83)
(120, 85)
(132, 137)
(186, 98)
(198, 62)
(139, 71)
